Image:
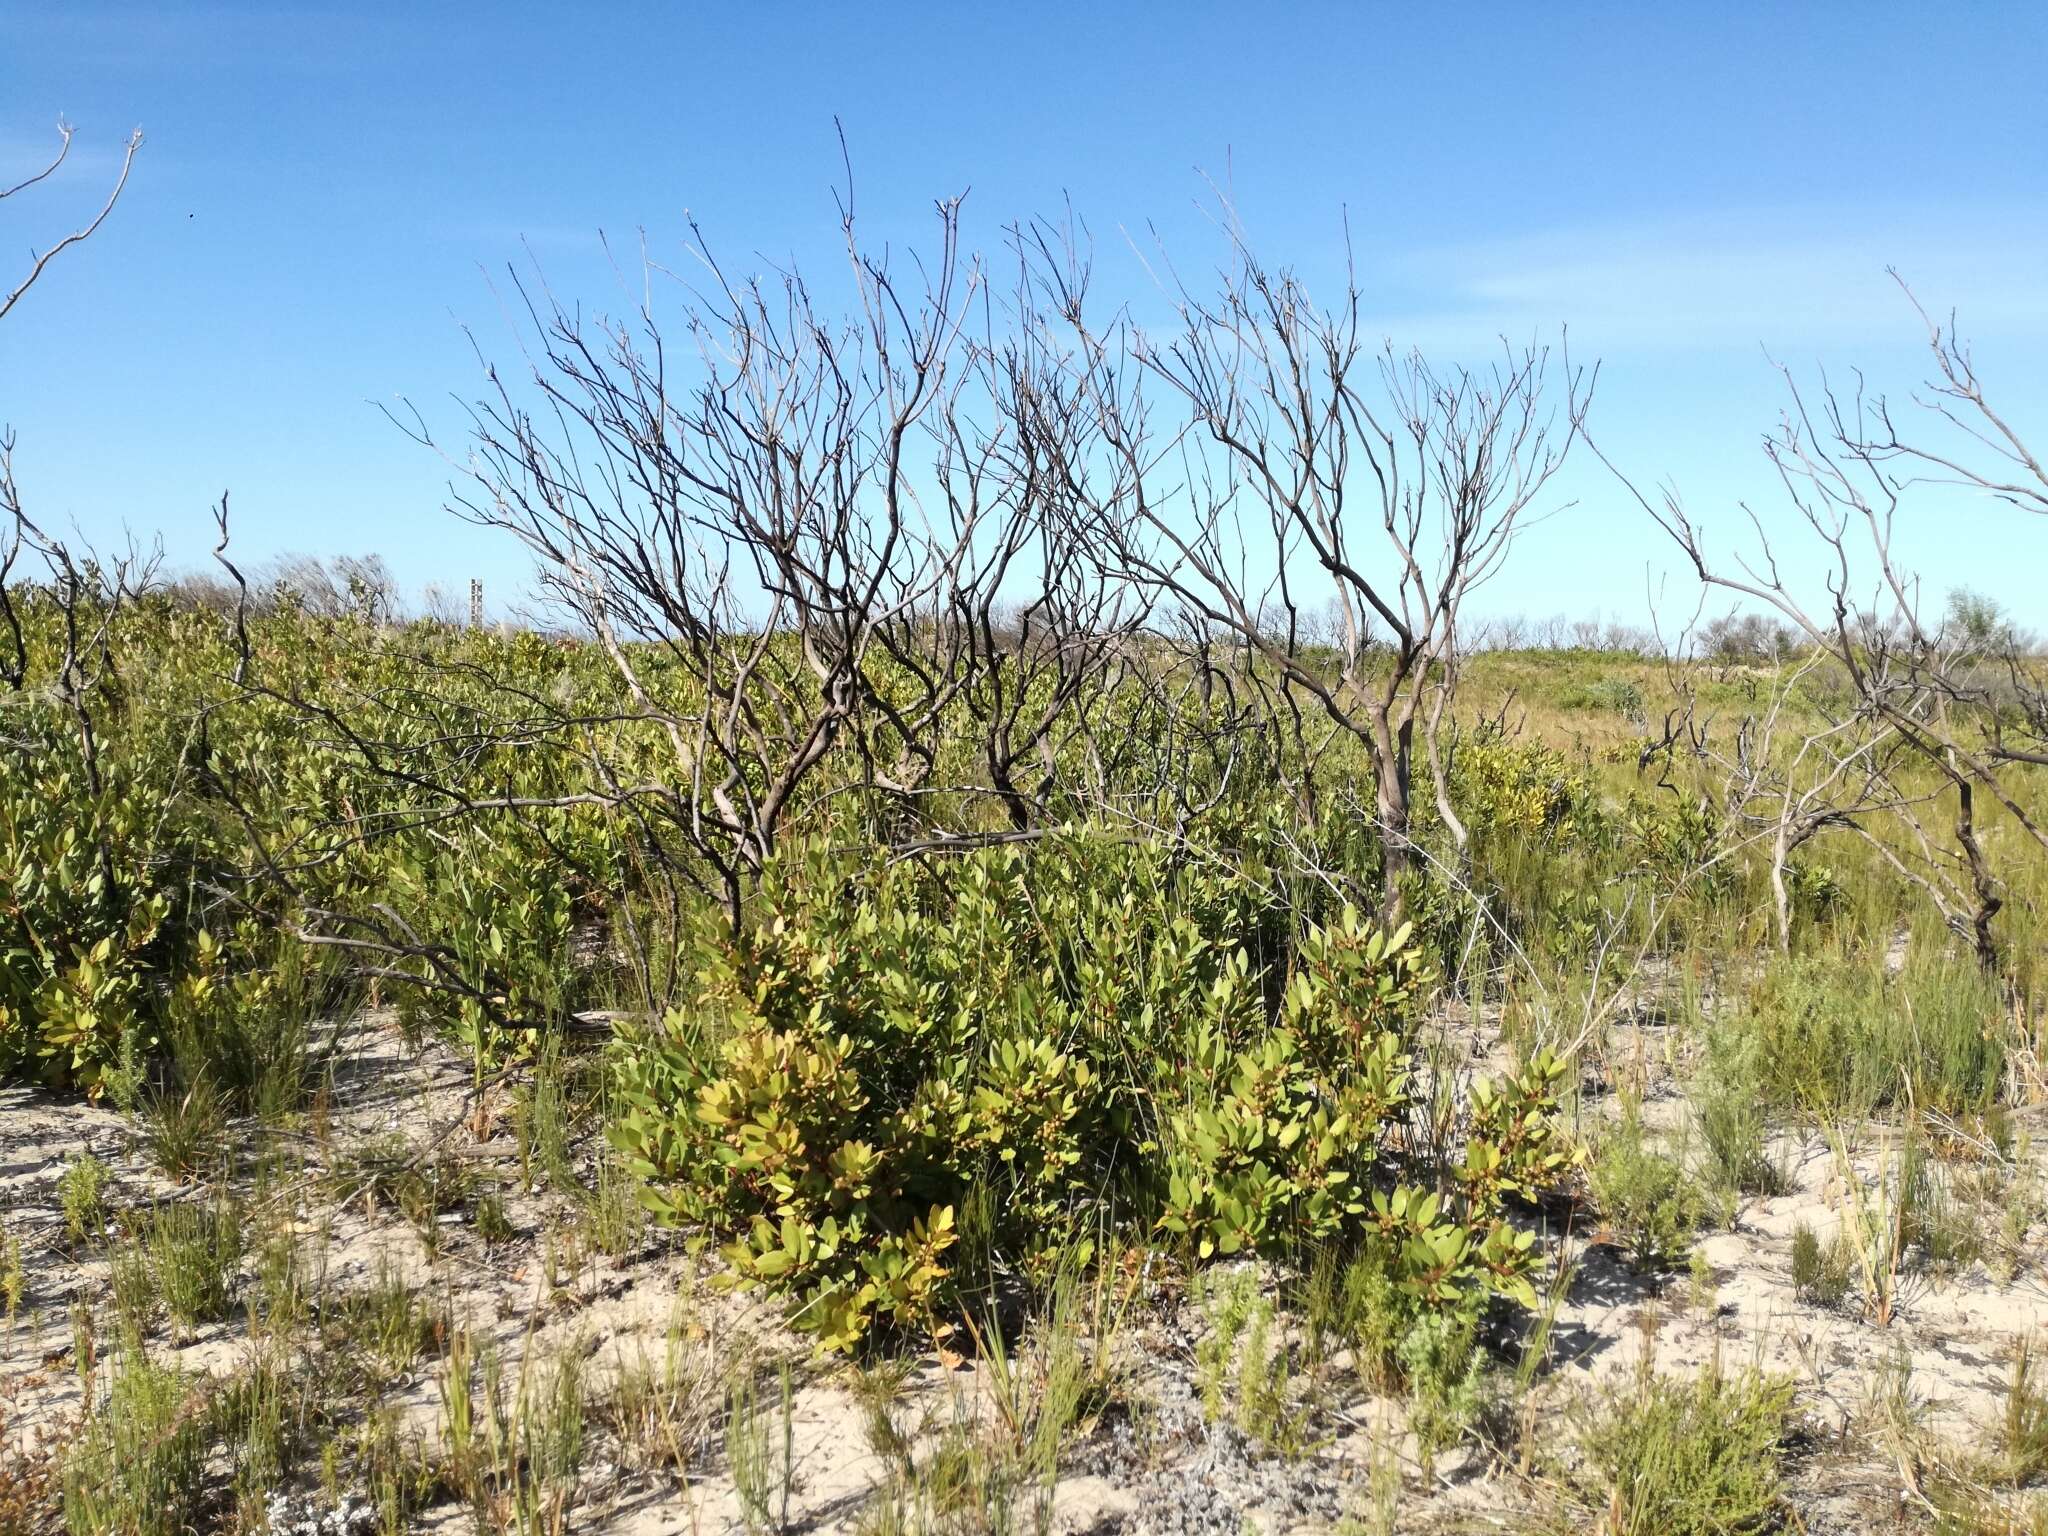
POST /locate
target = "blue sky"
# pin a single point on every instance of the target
(326, 192)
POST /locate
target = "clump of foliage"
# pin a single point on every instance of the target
(1648, 1201)
(138, 1467)
(1443, 1369)
(1517, 786)
(2021, 1448)
(1835, 1035)
(88, 917)
(1822, 1273)
(1732, 1125)
(1244, 1370)
(148, 939)
(1621, 695)
(194, 1252)
(1429, 1355)
(1700, 1456)
(903, 1075)
(82, 1191)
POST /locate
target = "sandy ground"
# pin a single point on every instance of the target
(1154, 1465)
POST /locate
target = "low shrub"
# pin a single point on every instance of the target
(1822, 1273)
(1694, 1457)
(902, 1077)
(138, 1467)
(1649, 1203)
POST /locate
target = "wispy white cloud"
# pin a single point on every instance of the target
(1785, 279)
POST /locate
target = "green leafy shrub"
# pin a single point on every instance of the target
(506, 935)
(155, 863)
(1501, 786)
(238, 1018)
(1678, 841)
(900, 1073)
(85, 918)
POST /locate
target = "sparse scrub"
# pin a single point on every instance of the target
(263, 1418)
(1961, 1510)
(137, 1468)
(1687, 1457)
(1883, 1219)
(614, 1214)
(1834, 1035)
(489, 1218)
(195, 1251)
(541, 1116)
(427, 1189)
(1645, 1195)
(82, 1191)
(965, 1483)
(1945, 1227)
(1350, 1301)
(389, 1463)
(288, 1280)
(133, 1284)
(993, 1469)
(1822, 1272)
(1016, 779)
(514, 1452)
